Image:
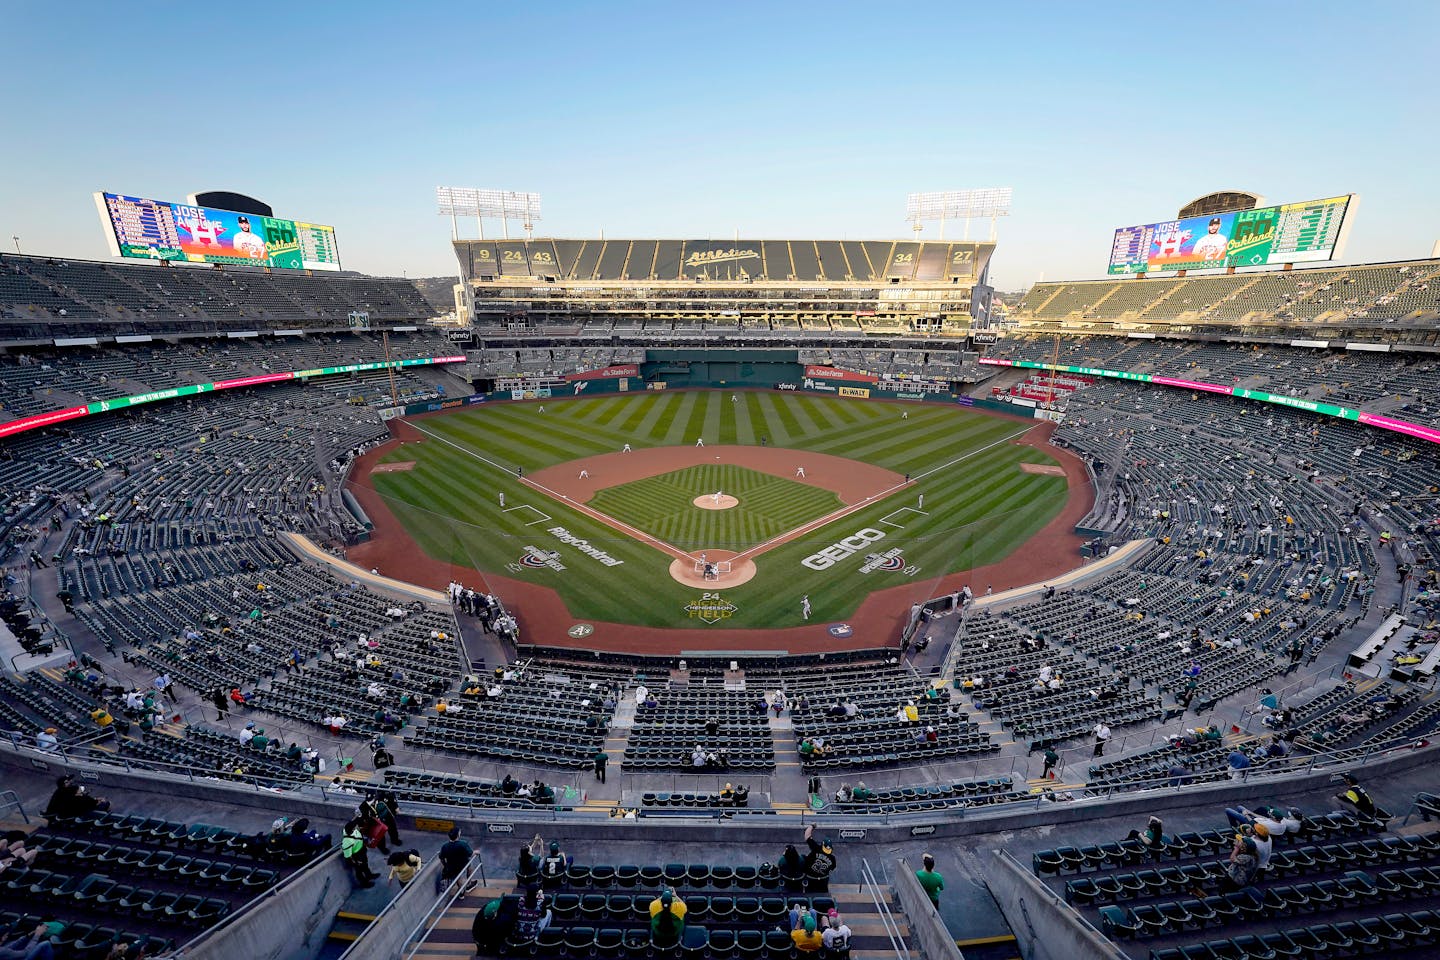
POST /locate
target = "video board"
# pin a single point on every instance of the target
(160, 230)
(1291, 233)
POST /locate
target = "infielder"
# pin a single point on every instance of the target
(625, 449)
(584, 474)
(699, 441)
(799, 471)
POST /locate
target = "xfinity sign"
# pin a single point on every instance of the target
(860, 540)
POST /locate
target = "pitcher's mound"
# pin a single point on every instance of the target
(710, 502)
(741, 571)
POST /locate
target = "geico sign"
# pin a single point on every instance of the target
(823, 559)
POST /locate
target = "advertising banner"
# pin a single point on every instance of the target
(605, 373)
(835, 373)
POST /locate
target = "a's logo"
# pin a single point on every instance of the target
(702, 257)
(841, 630)
(710, 608)
(580, 631)
(824, 559)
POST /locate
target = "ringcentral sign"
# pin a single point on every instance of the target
(833, 554)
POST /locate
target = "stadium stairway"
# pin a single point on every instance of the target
(450, 938)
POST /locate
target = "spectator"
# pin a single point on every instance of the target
(1356, 795)
(667, 920)
(1153, 836)
(806, 938)
(46, 740)
(386, 806)
(532, 916)
(14, 853)
(32, 946)
(791, 866)
(303, 840)
(71, 799)
(820, 861)
(837, 933)
(454, 856)
(930, 880)
(1263, 846)
(404, 865)
(493, 924)
(527, 868)
(1051, 759)
(1241, 867)
(552, 867)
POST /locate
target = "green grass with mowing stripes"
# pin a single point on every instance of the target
(977, 509)
(664, 506)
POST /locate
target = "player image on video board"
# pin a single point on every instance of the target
(1195, 242)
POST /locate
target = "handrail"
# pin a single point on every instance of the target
(1275, 770)
(457, 889)
(10, 800)
(882, 908)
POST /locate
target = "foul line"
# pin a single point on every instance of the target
(868, 501)
(610, 521)
(756, 550)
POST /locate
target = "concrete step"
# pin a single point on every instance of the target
(349, 925)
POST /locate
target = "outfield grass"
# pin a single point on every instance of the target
(664, 506)
(976, 510)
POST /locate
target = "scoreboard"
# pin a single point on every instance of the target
(1306, 232)
(161, 230)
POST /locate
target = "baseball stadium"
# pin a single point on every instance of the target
(717, 599)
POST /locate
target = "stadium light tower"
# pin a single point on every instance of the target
(474, 202)
(992, 202)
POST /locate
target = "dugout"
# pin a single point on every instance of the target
(679, 369)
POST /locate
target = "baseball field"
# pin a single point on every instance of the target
(790, 496)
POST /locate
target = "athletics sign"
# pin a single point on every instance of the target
(710, 608)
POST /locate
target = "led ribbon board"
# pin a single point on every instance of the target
(1418, 430)
(12, 427)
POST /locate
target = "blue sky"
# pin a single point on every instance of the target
(776, 119)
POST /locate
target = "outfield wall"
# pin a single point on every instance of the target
(681, 369)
